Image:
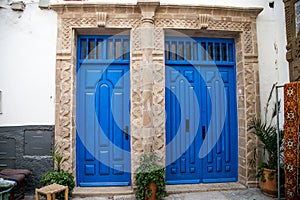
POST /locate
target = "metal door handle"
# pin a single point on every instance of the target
(125, 130)
(203, 133)
(187, 125)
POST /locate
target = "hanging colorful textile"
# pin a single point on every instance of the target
(291, 131)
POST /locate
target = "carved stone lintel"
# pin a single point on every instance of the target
(204, 20)
(148, 11)
(101, 19)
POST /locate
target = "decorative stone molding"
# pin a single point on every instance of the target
(204, 21)
(192, 23)
(63, 118)
(293, 38)
(101, 19)
(68, 24)
(123, 23)
(148, 10)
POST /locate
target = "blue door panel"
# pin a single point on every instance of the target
(103, 147)
(220, 165)
(195, 123)
(181, 128)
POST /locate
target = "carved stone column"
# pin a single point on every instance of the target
(147, 86)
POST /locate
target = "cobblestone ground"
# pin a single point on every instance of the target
(249, 194)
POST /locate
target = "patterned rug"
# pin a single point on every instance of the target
(291, 130)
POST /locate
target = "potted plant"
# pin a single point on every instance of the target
(150, 178)
(266, 132)
(59, 176)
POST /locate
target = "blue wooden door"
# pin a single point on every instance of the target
(220, 122)
(103, 140)
(200, 104)
(182, 107)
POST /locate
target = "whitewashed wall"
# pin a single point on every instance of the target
(27, 65)
(273, 67)
(27, 52)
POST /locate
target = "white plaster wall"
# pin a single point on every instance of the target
(27, 65)
(27, 52)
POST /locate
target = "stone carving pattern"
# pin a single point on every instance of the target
(101, 19)
(297, 47)
(159, 92)
(245, 27)
(69, 23)
(123, 22)
(136, 98)
(204, 21)
(248, 38)
(251, 93)
(288, 19)
(159, 39)
(135, 40)
(154, 136)
(64, 130)
(176, 23)
(159, 107)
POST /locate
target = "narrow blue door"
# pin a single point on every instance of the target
(103, 140)
(220, 122)
(182, 107)
(200, 106)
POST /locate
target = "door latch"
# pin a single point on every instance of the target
(187, 125)
(203, 133)
(125, 131)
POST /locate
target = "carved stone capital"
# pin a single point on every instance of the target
(148, 11)
(101, 19)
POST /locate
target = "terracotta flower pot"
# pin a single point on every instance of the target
(269, 187)
(152, 187)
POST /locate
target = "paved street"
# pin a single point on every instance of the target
(216, 191)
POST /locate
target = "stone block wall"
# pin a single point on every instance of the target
(27, 147)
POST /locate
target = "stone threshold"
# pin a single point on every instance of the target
(208, 187)
(101, 191)
(171, 189)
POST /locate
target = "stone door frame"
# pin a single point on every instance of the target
(151, 19)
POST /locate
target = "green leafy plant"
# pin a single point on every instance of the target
(59, 176)
(266, 131)
(150, 171)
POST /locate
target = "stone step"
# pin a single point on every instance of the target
(187, 188)
(128, 191)
(101, 191)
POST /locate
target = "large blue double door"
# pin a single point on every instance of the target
(102, 120)
(201, 124)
